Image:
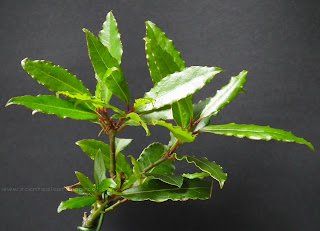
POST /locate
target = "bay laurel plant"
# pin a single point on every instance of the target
(118, 178)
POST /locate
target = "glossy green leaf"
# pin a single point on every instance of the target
(225, 95)
(106, 184)
(136, 118)
(96, 102)
(178, 132)
(86, 183)
(163, 58)
(116, 83)
(76, 203)
(158, 191)
(110, 37)
(91, 147)
(205, 165)
(53, 77)
(152, 154)
(102, 91)
(161, 114)
(99, 54)
(183, 112)
(198, 175)
(121, 144)
(50, 104)
(99, 169)
(169, 179)
(178, 86)
(255, 132)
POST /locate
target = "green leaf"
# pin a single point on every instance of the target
(50, 104)
(96, 102)
(123, 165)
(169, 179)
(106, 184)
(158, 191)
(136, 118)
(153, 153)
(110, 37)
(107, 68)
(163, 58)
(86, 183)
(178, 86)
(225, 95)
(212, 168)
(116, 83)
(122, 144)
(161, 114)
(76, 203)
(53, 77)
(197, 175)
(183, 112)
(91, 147)
(178, 132)
(255, 132)
(99, 169)
(102, 91)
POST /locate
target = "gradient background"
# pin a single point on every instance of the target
(271, 185)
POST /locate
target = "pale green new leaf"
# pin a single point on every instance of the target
(178, 86)
(106, 184)
(198, 175)
(86, 183)
(225, 95)
(152, 154)
(77, 203)
(99, 169)
(50, 104)
(183, 112)
(205, 165)
(169, 179)
(102, 91)
(121, 144)
(53, 77)
(255, 132)
(110, 37)
(136, 119)
(178, 132)
(158, 191)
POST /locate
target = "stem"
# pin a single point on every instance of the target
(112, 207)
(100, 222)
(112, 154)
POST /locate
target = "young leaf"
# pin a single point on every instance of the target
(102, 91)
(192, 176)
(110, 37)
(91, 147)
(161, 114)
(76, 203)
(178, 86)
(84, 98)
(255, 132)
(50, 104)
(122, 144)
(163, 58)
(116, 83)
(212, 168)
(169, 179)
(225, 95)
(158, 191)
(86, 183)
(99, 169)
(105, 184)
(153, 153)
(53, 77)
(183, 112)
(178, 132)
(136, 118)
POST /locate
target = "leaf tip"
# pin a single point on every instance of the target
(23, 62)
(10, 102)
(60, 207)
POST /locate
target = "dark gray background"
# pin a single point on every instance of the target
(271, 185)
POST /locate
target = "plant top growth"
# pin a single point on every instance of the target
(118, 178)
